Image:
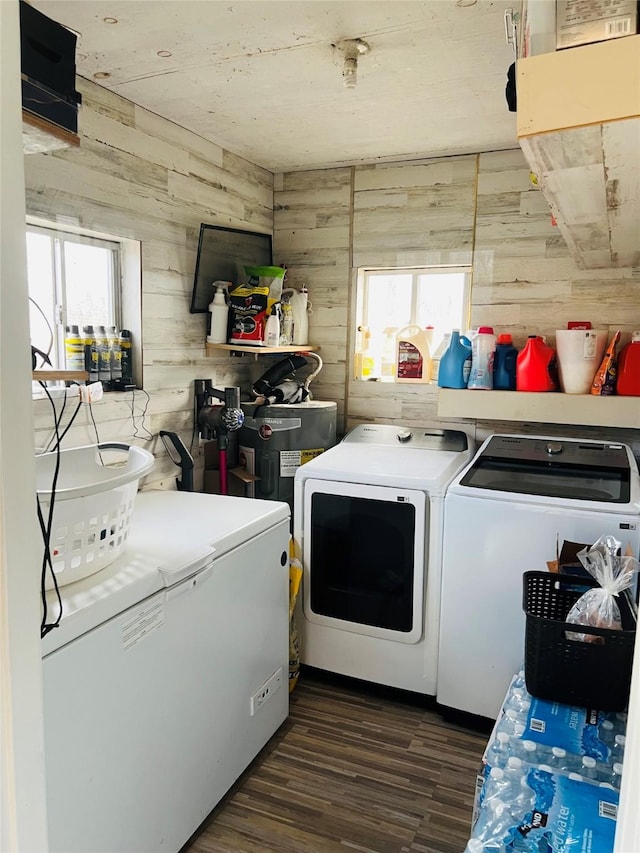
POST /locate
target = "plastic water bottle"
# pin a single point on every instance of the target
(528, 751)
(483, 348)
(514, 769)
(616, 776)
(560, 761)
(606, 732)
(512, 723)
(499, 751)
(588, 770)
(519, 701)
(617, 750)
(499, 785)
(493, 822)
(525, 798)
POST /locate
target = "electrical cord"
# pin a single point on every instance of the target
(95, 428)
(46, 319)
(149, 435)
(70, 422)
(45, 529)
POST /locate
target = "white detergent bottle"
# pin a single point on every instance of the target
(218, 314)
(299, 301)
(413, 361)
(483, 347)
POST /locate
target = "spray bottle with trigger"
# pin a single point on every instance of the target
(218, 314)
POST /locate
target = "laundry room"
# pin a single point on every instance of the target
(269, 256)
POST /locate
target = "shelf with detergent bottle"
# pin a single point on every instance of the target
(551, 407)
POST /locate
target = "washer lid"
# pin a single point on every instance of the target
(570, 469)
(173, 536)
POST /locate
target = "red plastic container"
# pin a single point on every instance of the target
(536, 366)
(628, 379)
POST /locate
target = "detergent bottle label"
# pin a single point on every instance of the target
(410, 361)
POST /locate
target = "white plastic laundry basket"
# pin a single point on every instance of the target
(92, 506)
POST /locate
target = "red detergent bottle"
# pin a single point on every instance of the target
(628, 380)
(536, 366)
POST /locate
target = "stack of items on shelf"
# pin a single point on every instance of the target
(259, 311)
(104, 352)
(550, 777)
(581, 363)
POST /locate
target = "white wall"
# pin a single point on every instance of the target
(22, 792)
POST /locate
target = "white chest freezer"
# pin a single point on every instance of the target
(168, 673)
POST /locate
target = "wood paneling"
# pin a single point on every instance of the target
(352, 768)
(139, 176)
(435, 211)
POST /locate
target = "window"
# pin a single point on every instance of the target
(433, 298)
(74, 279)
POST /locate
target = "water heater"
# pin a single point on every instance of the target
(277, 439)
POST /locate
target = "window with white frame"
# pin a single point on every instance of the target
(389, 300)
(74, 280)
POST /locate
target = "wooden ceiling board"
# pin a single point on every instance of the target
(261, 77)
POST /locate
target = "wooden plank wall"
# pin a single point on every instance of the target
(138, 176)
(482, 209)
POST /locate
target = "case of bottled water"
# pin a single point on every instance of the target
(583, 745)
(534, 810)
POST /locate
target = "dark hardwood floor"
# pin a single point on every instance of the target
(353, 768)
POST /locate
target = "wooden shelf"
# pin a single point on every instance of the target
(211, 349)
(39, 135)
(58, 375)
(579, 129)
(550, 408)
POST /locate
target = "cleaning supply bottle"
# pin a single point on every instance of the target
(286, 323)
(504, 364)
(104, 355)
(272, 331)
(73, 349)
(628, 380)
(218, 314)
(90, 353)
(440, 350)
(388, 355)
(535, 366)
(483, 347)
(300, 305)
(113, 336)
(364, 360)
(413, 358)
(127, 356)
(455, 364)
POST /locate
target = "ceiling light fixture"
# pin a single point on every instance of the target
(351, 49)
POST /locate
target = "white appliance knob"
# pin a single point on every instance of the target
(404, 436)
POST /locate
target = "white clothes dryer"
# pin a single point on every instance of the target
(368, 524)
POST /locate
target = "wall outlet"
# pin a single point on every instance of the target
(266, 691)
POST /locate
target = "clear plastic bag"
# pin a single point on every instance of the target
(598, 607)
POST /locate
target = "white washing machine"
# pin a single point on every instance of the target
(368, 522)
(506, 513)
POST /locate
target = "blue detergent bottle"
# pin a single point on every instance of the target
(455, 363)
(504, 364)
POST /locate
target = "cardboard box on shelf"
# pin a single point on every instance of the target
(587, 21)
(238, 482)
